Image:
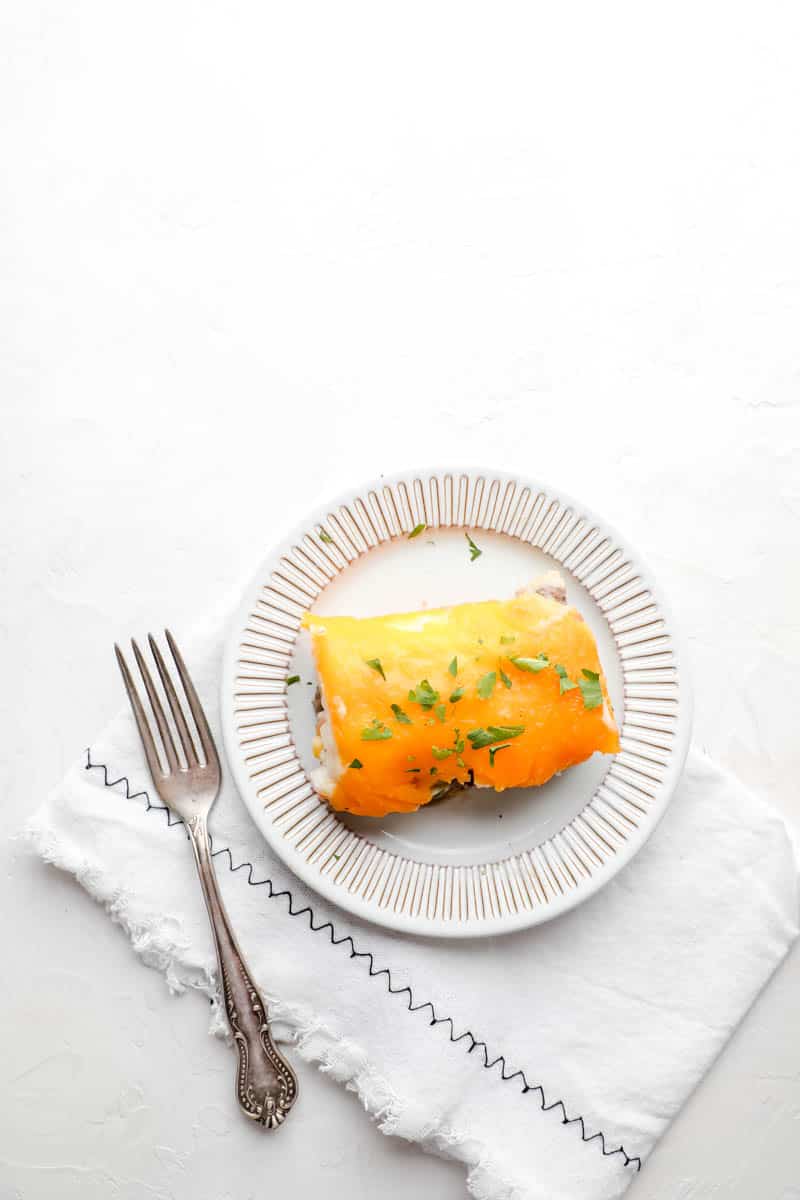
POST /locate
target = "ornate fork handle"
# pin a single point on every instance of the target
(266, 1086)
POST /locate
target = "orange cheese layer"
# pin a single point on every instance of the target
(396, 773)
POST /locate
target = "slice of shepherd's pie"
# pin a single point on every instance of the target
(500, 694)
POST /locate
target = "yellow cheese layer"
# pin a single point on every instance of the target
(399, 771)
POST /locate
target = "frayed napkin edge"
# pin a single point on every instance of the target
(340, 1058)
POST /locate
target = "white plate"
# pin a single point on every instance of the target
(483, 862)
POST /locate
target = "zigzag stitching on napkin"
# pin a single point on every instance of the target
(475, 1044)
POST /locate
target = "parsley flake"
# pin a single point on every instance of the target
(460, 762)
(485, 685)
(505, 680)
(376, 731)
(590, 689)
(456, 695)
(530, 664)
(292, 679)
(424, 695)
(496, 750)
(440, 711)
(453, 668)
(474, 552)
(356, 765)
(480, 738)
(375, 663)
(412, 771)
(417, 530)
(501, 732)
(438, 753)
(434, 771)
(324, 536)
(400, 716)
(564, 681)
(507, 638)
(495, 733)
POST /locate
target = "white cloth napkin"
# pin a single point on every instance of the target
(548, 1061)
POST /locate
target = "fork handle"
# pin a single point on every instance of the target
(266, 1086)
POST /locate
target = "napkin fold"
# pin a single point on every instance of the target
(548, 1061)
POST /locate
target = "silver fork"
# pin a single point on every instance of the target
(266, 1086)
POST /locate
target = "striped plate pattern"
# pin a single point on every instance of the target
(445, 899)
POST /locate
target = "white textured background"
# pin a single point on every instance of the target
(252, 252)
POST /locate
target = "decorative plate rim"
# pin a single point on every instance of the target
(558, 899)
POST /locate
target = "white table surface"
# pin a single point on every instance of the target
(252, 252)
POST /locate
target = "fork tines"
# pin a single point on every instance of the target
(170, 764)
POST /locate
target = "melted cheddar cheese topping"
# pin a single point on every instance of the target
(407, 753)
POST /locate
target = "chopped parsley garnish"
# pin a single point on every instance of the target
(590, 689)
(458, 742)
(324, 536)
(376, 731)
(485, 685)
(480, 738)
(292, 679)
(565, 683)
(495, 733)
(375, 663)
(400, 716)
(438, 753)
(496, 750)
(412, 771)
(460, 762)
(423, 694)
(434, 771)
(500, 732)
(453, 668)
(456, 695)
(507, 638)
(440, 711)
(417, 530)
(505, 680)
(530, 664)
(474, 552)
(356, 765)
